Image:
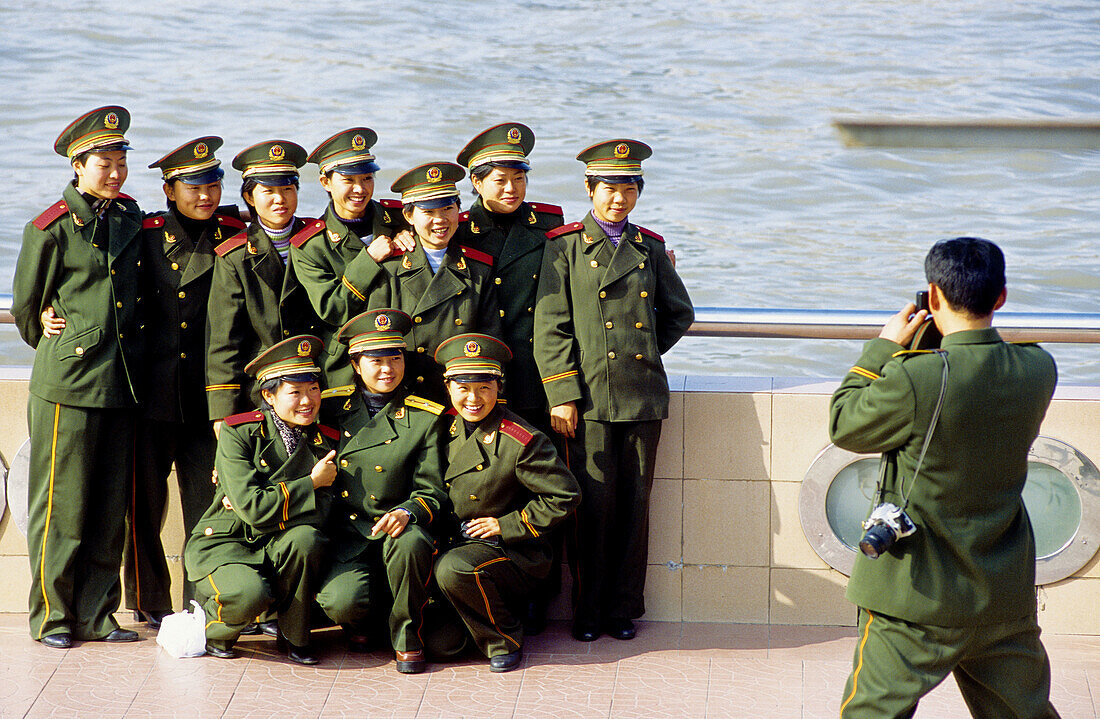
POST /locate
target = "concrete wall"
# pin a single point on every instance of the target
(726, 543)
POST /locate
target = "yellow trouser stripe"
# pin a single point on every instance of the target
(859, 661)
(49, 513)
(485, 598)
(217, 600)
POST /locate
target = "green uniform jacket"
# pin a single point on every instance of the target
(517, 263)
(268, 490)
(336, 271)
(505, 469)
(972, 558)
(255, 301)
(460, 297)
(175, 367)
(94, 283)
(604, 317)
(394, 459)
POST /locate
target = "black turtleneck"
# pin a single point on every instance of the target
(503, 221)
(193, 228)
(375, 402)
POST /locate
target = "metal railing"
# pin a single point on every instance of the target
(845, 324)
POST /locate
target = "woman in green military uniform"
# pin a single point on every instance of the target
(509, 488)
(336, 258)
(260, 546)
(255, 297)
(179, 261)
(389, 492)
(609, 305)
(444, 286)
(77, 301)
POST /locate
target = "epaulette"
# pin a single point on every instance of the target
(548, 209)
(244, 418)
(477, 255)
(451, 412)
(51, 214)
(564, 229)
(344, 390)
(124, 196)
(515, 431)
(231, 244)
(465, 216)
(228, 221)
(328, 431)
(392, 204)
(650, 233)
(153, 222)
(306, 232)
(425, 404)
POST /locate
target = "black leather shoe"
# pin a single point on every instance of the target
(298, 655)
(251, 629)
(358, 643)
(585, 634)
(534, 619)
(505, 662)
(271, 628)
(121, 635)
(411, 662)
(219, 652)
(620, 629)
(153, 619)
(58, 641)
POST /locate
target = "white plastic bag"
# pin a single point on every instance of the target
(183, 634)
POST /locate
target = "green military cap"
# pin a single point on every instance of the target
(292, 357)
(506, 145)
(429, 186)
(615, 160)
(273, 163)
(376, 333)
(101, 129)
(347, 152)
(193, 162)
(472, 357)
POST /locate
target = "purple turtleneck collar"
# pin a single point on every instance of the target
(613, 230)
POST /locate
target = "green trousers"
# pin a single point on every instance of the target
(233, 595)
(1001, 669)
(614, 464)
(190, 446)
(80, 469)
(354, 591)
(486, 589)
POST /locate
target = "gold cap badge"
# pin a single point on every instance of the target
(358, 143)
(472, 349)
(514, 136)
(434, 174)
(622, 150)
(201, 151)
(110, 121)
(276, 152)
(382, 323)
(304, 348)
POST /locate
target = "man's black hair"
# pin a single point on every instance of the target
(970, 271)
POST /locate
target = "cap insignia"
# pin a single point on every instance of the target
(169, 237)
(622, 150)
(276, 152)
(201, 150)
(357, 142)
(434, 174)
(304, 348)
(472, 349)
(110, 121)
(382, 323)
(514, 136)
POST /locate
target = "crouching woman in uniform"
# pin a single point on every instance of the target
(508, 487)
(390, 489)
(260, 546)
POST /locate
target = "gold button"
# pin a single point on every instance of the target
(344, 493)
(502, 313)
(643, 293)
(608, 325)
(594, 263)
(530, 309)
(347, 433)
(458, 321)
(263, 462)
(473, 497)
(343, 463)
(353, 516)
(611, 355)
(286, 333)
(479, 467)
(113, 272)
(373, 497)
(183, 355)
(79, 351)
(602, 294)
(387, 441)
(120, 335)
(420, 379)
(377, 468)
(183, 325)
(175, 266)
(638, 357)
(639, 325)
(418, 320)
(421, 349)
(641, 265)
(182, 294)
(118, 305)
(208, 531)
(535, 276)
(496, 281)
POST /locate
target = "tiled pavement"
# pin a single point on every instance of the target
(670, 670)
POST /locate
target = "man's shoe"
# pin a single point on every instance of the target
(621, 629)
(121, 635)
(411, 662)
(251, 629)
(505, 662)
(585, 634)
(358, 643)
(220, 652)
(271, 628)
(58, 641)
(153, 619)
(534, 619)
(298, 655)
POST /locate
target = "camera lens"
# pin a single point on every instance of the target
(876, 540)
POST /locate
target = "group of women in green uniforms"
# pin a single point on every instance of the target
(342, 380)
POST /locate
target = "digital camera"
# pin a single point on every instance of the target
(886, 525)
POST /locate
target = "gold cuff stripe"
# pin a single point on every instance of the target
(357, 293)
(426, 508)
(218, 387)
(865, 373)
(560, 375)
(286, 505)
(527, 522)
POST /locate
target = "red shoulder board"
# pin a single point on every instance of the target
(231, 244)
(397, 252)
(451, 412)
(515, 431)
(564, 229)
(650, 233)
(306, 232)
(124, 196)
(150, 223)
(328, 432)
(392, 204)
(230, 222)
(464, 216)
(477, 255)
(549, 209)
(47, 218)
(244, 418)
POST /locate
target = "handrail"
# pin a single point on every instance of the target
(844, 324)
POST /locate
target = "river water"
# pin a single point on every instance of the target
(748, 183)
